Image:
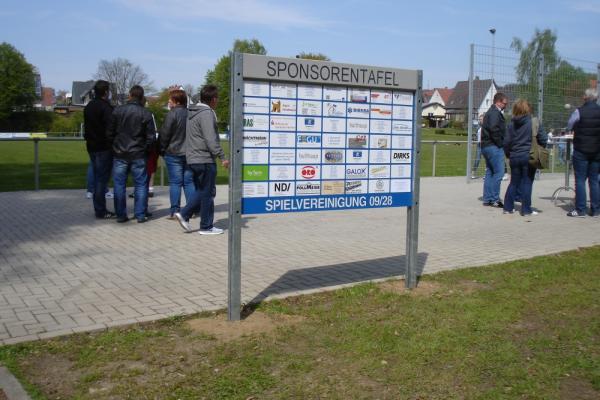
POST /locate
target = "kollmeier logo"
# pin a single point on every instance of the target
(312, 139)
(308, 188)
(356, 172)
(334, 156)
(308, 172)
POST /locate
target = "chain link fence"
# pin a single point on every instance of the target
(554, 89)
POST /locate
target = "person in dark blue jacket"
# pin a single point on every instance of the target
(517, 145)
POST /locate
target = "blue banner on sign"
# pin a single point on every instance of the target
(269, 205)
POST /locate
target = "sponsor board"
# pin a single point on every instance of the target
(309, 107)
(256, 139)
(357, 156)
(281, 123)
(283, 106)
(255, 189)
(334, 125)
(256, 156)
(402, 127)
(401, 156)
(282, 156)
(380, 141)
(253, 88)
(309, 124)
(333, 171)
(331, 109)
(379, 156)
(308, 188)
(400, 186)
(403, 98)
(333, 156)
(281, 188)
(381, 111)
(401, 142)
(308, 172)
(335, 93)
(358, 95)
(283, 90)
(357, 125)
(283, 139)
(282, 172)
(308, 140)
(400, 170)
(379, 185)
(255, 173)
(381, 126)
(381, 96)
(308, 156)
(379, 171)
(332, 187)
(357, 171)
(334, 140)
(357, 141)
(256, 122)
(357, 111)
(402, 112)
(353, 187)
(256, 105)
(310, 92)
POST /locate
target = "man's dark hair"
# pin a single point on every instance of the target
(208, 93)
(178, 97)
(499, 97)
(137, 92)
(101, 88)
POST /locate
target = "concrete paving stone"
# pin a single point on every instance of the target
(57, 333)
(89, 328)
(19, 339)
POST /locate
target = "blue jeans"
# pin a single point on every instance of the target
(521, 185)
(121, 170)
(586, 168)
(494, 171)
(179, 177)
(101, 163)
(89, 180)
(205, 176)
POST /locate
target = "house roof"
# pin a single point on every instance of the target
(426, 95)
(445, 93)
(80, 89)
(459, 99)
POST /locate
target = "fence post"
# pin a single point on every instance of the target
(433, 156)
(36, 164)
(541, 89)
(598, 82)
(469, 115)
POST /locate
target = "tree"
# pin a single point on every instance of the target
(124, 74)
(313, 56)
(220, 75)
(17, 81)
(542, 43)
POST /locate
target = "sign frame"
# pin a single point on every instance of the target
(256, 67)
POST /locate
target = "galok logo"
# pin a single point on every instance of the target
(308, 172)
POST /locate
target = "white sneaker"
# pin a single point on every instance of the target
(212, 231)
(89, 195)
(109, 195)
(184, 224)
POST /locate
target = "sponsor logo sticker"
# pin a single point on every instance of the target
(334, 156)
(333, 187)
(255, 172)
(308, 172)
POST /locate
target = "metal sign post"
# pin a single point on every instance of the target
(312, 135)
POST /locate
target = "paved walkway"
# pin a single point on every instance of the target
(63, 271)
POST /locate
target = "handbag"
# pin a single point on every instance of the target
(539, 157)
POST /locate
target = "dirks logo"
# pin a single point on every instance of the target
(401, 155)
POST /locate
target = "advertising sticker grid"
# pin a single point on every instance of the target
(313, 147)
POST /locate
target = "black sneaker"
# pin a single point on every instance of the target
(108, 215)
(498, 204)
(122, 219)
(148, 214)
(575, 214)
(142, 220)
(131, 195)
(488, 204)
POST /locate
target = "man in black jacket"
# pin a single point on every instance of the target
(492, 140)
(132, 133)
(585, 122)
(96, 116)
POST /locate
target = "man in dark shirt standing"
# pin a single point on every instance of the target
(132, 132)
(492, 141)
(96, 116)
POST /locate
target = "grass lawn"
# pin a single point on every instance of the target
(527, 329)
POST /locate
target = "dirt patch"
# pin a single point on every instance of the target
(255, 323)
(3, 395)
(575, 388)
(424, 288)
(52, 374)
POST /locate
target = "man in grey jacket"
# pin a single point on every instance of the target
(202, 148)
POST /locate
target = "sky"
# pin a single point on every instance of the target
(177, 41)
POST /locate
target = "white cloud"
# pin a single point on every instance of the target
(253, 12)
